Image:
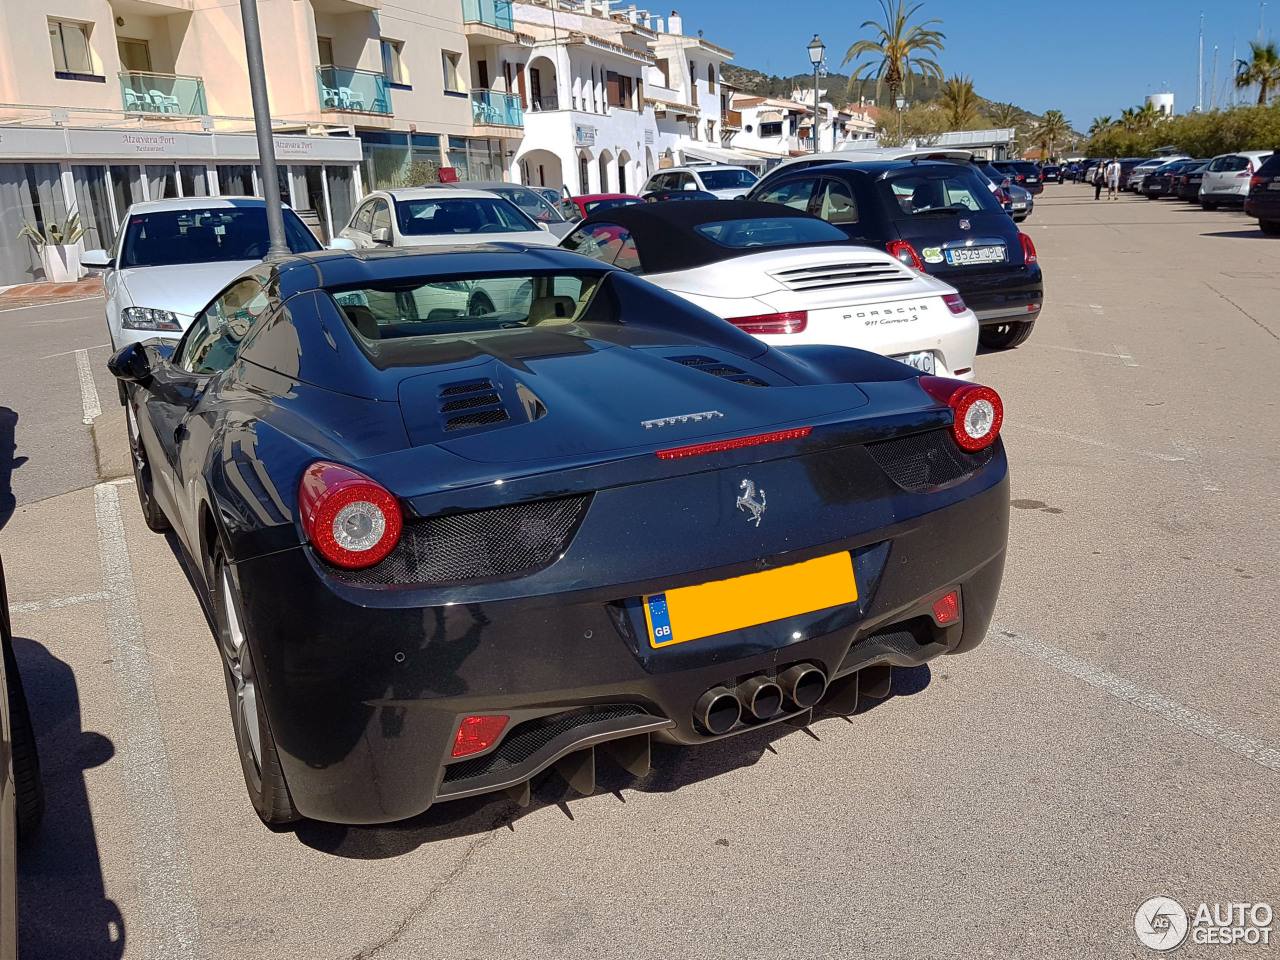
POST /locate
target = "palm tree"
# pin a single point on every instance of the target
(1262, 68)
(1100, 125)
(959, 102)
(1147, 116)
(1052, 129)
(1129, 121)
(901, 50)
(1005, 115)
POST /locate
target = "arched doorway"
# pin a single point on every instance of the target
(606, 166)
(542, 90)
(541, 168)
(584, 172)
(625, 173)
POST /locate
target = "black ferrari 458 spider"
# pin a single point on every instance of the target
(463, 515)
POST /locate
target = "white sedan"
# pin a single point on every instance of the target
(172, 256)
(787, 278)
(435, 216)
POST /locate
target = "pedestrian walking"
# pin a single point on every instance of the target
(1113, 179)
(1099, 179)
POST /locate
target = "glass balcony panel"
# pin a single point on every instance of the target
(496, 13)
(495, 107)
(163, 93)
(353, 91)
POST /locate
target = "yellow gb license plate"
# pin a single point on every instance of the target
(691, 613)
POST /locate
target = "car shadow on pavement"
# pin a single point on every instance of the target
(1253, 233)
(8, 463)
(63, 908)
(673, 767)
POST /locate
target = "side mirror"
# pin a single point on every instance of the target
(95, 259)
(382, 235)
(342, 243)
(544, 226)
(130, 364)
(690, 186)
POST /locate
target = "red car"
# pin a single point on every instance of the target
(578, 208)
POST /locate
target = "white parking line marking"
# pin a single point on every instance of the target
(1123, 354)
(67, 353)
(164, 876)
(1092, 353)
(56, 603)
(55, 303)
(88, 391)
(1167, 458)
(1195, 463)
(1130, 692)
(1096, 308)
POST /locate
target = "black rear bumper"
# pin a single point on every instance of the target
(1000, 297)
(365, 689)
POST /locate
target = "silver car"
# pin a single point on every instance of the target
(1227, 178)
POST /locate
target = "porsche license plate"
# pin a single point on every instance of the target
(961, 256)
(922, 361)
(691, 613)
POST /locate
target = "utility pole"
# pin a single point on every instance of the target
(262, 125)
(1213, 91)
(1200, 70)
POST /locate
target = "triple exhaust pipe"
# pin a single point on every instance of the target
(720, 708)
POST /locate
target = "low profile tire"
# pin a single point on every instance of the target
(27, 788)
(1005, 336)
(479, 305)
(1270, 227)
(263, 777)
(151, 512)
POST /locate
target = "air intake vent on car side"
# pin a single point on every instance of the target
(827, 276)
(718, 369)
(476, 396)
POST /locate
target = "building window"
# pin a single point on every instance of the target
(711, 76)
(393, 62)
(135, 55)
(71, 53)
(771, 129)
(584, 174)
(324, 51)
(452, 76)
(664, 67)
(711, 130)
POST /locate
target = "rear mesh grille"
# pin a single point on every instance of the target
(476, 419)
(472, 395)
(467, 403)
(527, 738)
(719, 369)
(832, 275)
(472, 387)
(498, 542)
(925, 461)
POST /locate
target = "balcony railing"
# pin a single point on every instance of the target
(496, 13)
(164, 93)
(494, 107)
(548, 101)
(353, 91)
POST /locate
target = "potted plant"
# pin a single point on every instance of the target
(59, 248)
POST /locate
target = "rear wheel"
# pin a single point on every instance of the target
(263, 776)
(142, 479)
(480, 305)
(1208, 205)
(27, 788)
(1005, 336)
(1270, 227)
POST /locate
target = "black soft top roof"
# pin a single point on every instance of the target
(665, 236)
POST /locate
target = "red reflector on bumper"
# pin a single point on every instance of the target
(697, 449)
(477, 733)
(947, 609)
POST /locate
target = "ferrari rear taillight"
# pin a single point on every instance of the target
(477, 733)
(351, 520)
(954, 302)
(979, 411)
(906, 253)
(1028, 248)
(793, 322)
(738, 443)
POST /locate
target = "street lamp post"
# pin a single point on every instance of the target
(262, 125)
(900, 103)
(817, 52)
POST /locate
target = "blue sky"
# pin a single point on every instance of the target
(1038, 55)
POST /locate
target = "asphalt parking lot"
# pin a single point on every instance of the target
(1115, 738)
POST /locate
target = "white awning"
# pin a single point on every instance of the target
(714, 155)
(769, 116)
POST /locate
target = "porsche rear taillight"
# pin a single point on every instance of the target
(954, 302)
(351, 520)
(1028, 248)
(793, 322)
(979, 411)
(906, 253)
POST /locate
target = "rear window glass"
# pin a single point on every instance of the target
(530, 202)
(445, 308)
(770, 232)
(938, 193)
(1270, 167)
(165, 238)
(727, 179)
(597, 206)
(442, 216)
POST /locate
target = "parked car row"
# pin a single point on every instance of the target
(1248, 179)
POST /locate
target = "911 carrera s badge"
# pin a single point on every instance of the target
(682, 418)
(747, 501)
